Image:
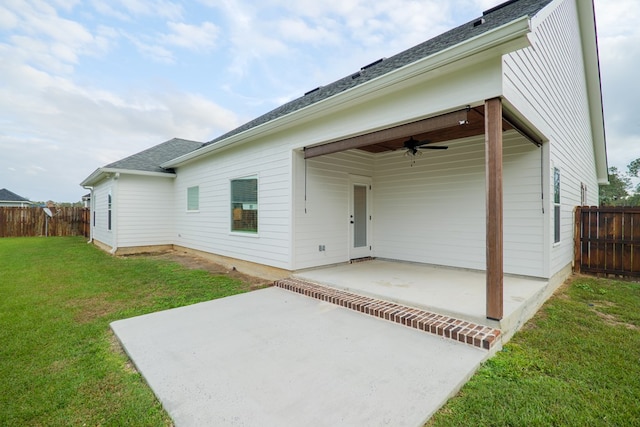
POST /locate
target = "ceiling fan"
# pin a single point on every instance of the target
(413, 146)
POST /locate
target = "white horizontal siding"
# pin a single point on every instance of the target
(324, 218)
(99, 201)
(433, 211)
(209, 229)
(145, 211)
(546, 82)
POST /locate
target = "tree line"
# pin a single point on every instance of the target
(620, 191)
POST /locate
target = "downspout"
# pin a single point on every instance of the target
(114, 214)
(91, 212)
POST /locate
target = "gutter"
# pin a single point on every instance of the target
(98, 173)
(501, 40)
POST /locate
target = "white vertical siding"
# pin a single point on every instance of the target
(546, 83)
(145, 211)
(100, 230)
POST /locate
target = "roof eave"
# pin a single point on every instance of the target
(102, 173)
(499, 41)
(589, 39)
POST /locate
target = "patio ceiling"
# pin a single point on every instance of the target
(446, 127)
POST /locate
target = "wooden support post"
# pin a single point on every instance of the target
(493, 167)
(577, 240)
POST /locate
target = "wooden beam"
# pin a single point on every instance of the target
(443, 121)
(493, 167)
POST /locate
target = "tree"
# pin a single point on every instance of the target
(634, 167)
(615, 194)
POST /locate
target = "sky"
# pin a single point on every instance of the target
(86, 83)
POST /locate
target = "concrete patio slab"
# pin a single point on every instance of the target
(276, 358)
(450, 291)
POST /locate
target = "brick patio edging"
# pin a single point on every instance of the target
(480, 336)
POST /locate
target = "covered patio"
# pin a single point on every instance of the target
(485, 297)
(454, 292)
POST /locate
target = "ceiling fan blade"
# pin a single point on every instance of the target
(434, 147)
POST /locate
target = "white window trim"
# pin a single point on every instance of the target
(250, 234)
(557, 216)
(187, 208)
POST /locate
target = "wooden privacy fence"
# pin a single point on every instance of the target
(23, 222)
(607, 240)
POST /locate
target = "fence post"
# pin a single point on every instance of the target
(577, 247)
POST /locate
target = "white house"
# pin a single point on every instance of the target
(335, 175)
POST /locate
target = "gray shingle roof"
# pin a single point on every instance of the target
(150, 159)
(493, 18)
(8, 196)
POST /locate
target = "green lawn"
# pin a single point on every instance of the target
(59, 363)
(576, 363)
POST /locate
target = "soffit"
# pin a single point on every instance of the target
(447, 127)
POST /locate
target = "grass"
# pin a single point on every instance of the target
(576, 363)
(59, 362)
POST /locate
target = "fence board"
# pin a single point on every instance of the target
(30, 221)
(607, 240)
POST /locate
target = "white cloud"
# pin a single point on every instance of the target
(8, 20)
(106, 8)
(195, 37)
(161, 8)
(42, 38)
(55, 132)
(297, 30)
(155, 52)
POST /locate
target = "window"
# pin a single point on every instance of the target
(244, 205)
(109, 211)
(193, 198)
(556, 205)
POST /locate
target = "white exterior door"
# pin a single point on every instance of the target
(360, 217)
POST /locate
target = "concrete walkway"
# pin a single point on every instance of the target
(276, 358)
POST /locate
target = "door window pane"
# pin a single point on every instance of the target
(359, 216)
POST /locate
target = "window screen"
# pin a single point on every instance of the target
(193, 198)
(244, 205)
